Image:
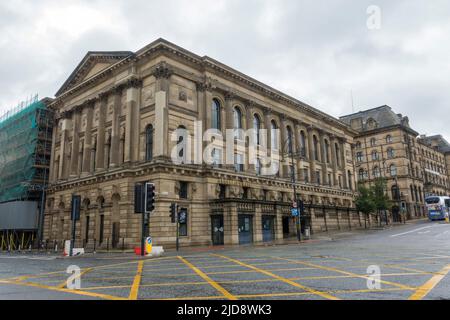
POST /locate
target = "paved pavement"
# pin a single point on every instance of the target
(413, 260)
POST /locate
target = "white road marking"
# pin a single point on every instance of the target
(412, 231)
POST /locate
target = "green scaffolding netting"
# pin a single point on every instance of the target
(19, 142)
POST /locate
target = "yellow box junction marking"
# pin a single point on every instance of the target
(425, 289)
(137, 281)
(346, 273)
(270, 274)
(214, 284)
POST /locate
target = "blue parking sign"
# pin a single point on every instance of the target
(294, 212)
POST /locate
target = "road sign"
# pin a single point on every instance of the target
(294, 212)
(148, 245)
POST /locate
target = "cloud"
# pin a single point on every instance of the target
(316, 51)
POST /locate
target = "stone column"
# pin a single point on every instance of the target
(88, 140)
(229, 124)
(284, 150)
(52, 154)
(162, 74)
(231, 232)
(131, 150)
(298, 146)
(334, 160)
(323, 158)
(343, 162)
(100, 153)
(257, 224)
(279, 224)
(250, 164)
(115, 131)
(202, 111)
(63, 159)
(312, 161)
(75, 142)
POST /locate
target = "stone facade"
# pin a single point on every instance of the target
(386, 146)
(114, 124)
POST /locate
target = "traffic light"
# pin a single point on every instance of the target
(139, 199)
(149, 197)
(173, 212)
(301, 207)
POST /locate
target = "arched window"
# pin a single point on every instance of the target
(215, 114)
(316, 148)
(302, 143)
(149, 143)
(358, 144)
(393, 170)
(388, 139)
(274, 135)
(327, 151)
(182, 143)
(361, 174)
(237, 122)
(374, 155)
(412, 192)
(338, 158)
(257, 128)
(373, 142)
(359, 156)
(390, 153)
(376, 172)
(290, 140)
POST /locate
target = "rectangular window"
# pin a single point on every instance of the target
(318, 177)
(86, 236)
(183, 193)
(239, 162)
(329, 180)
(183, 221)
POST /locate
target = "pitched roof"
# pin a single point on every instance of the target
(437, 141)
(383, 116)
(89, 60)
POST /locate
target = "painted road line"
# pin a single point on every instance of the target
(347, 273)
(411, 231)
(137, 281)
(285, 294)
(205, 277)
(270, 274)
(64, 284)
(77, 292)
(424, 290)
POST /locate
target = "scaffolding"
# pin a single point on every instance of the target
(25, 148)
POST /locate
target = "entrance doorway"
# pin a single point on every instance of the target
(217, 230)
(285, 227)
(245, 229)
(268, 228)
(115, 235)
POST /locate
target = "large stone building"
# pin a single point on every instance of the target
(414, 167)
(115, 119)
(435, 163)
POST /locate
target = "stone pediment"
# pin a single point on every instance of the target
(92, 64)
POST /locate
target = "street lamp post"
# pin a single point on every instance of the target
(291, 154)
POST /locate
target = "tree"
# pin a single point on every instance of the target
(380, 197)
(365, 200)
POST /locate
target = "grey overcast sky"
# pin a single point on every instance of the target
(315, 50)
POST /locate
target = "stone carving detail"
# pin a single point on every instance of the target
(236, 192)
(182, 96)
(148, 94)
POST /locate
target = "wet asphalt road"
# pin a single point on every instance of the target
(413, 260)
